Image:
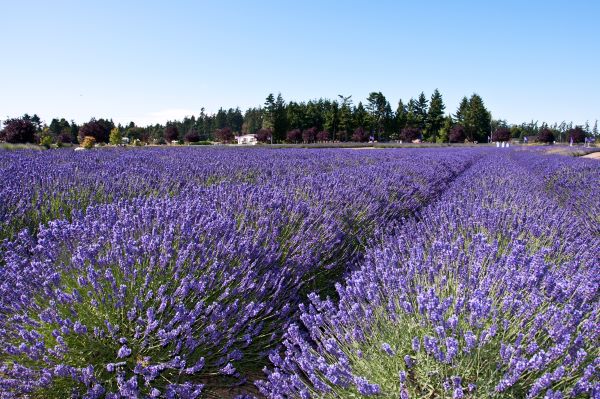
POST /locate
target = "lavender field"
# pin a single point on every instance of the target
(289, 273)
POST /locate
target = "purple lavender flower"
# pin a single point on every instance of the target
(228, 369)
(471, 245)
(366, 388)
(387, 349)
(124, 351)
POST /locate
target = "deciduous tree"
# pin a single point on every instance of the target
(501, 134)
(171, 133)
(224, 135)
(96, 128)
(409, 134)
(294, 136)
(359, 135)
(577, 134)
(18, 130)
(546, 136)
(309, 135)
(457, 134)
(115, 136)
(192, 136)
(264, 135)
(323, 135)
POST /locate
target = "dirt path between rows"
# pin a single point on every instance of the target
(593, 155)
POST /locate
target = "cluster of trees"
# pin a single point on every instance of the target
(545, 133)
(422, 118)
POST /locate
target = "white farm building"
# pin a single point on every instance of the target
(247, 139)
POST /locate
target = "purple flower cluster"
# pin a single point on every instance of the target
(491, 290)
(161, 273)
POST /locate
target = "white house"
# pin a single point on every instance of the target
(247, 139)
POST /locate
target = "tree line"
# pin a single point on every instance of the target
(421, 118)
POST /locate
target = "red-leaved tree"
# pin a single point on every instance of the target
(457, 134)
(577, 134)
(359, 135)
(18, 130)
(545, 136)
(192, 136)
(323, 135)
(501, 134)
(294, 136)
(264, 135)
(309, 135)
(96, 128)
(409, 134)
(224, 135)
(171, 133)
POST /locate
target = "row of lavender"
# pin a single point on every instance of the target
(161, 273)
(40, 187)
(493, 291)
(574, 182)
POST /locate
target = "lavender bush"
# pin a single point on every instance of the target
(492, 291)
(163, 273)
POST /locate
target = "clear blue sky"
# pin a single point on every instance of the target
(149, 61)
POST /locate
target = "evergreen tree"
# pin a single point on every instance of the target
(361, 117)
(73, 132)
(380, 110)
(60, 130)
(345, 117)
(296, 115)
(389, 122)
(444, 132)
(220, 120)
(234, 119)
(253, 120)
(478, 120)
(421, 111)
(315, 115)
(435, 116)
(54, 127)
(401, 118)
(462, 111)
(269, 112)
(280, 119)
(332, 117)
(35, 121)
(412, 119)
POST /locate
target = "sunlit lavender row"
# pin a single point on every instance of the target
(490, 292)
(174, 273)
